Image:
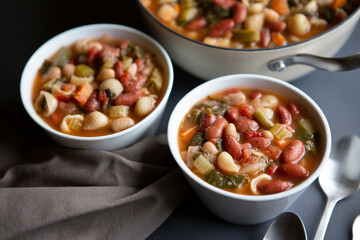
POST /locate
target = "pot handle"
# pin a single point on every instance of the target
(327, 64)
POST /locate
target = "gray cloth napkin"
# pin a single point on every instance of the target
(61, 193)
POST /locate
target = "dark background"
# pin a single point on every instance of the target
(25, 25)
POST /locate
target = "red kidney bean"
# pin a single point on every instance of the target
(221, 27)
(294, 110)
(205, 121)
(270, 187)
(136, 84)
(215, 130)
(256, 95)
(239, 12)
(233, 147)
(259, 142)
(265, 38)
(294, 152)
(284, 115)
(128, 98)
(224, 3)
(273, 152)
(244, 125)
(272, 169)
(140, 64)
(125, 80)
(292, 171)
(197, 24)
(119, 70)
(92, 104)
(109, 53)
(276, 25)
(232, 113)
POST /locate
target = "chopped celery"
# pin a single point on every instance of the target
(203, 165)
(228, 181)
(303, 134)
(45, 67)
(280, 132)
(185, 4)
(310, 146)
(198, 139)
(156, 79)
(306, 124)
(62, 57)
(118, 111)
(108, 64)
(139, 52)
(126, 62)
(261, 117)
(245, 35)
(188, 15)
(49, 84)
(83, 70)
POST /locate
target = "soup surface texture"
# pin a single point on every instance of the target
(249, 142)
(97, 87)
(248, 23)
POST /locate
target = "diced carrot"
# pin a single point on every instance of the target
(177, 7)
(278, 39)
(280, 6)
(83, 93)
(189, 133)
(283, 143)
(55, 119)
(67, 87)
(338, 3)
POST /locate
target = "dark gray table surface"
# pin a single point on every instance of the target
(25, 25)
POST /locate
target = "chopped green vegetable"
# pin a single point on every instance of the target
(221, 109)
(280, 132)
(203, 165)
(198, 139)
(228, 181)
(108, 64)
(139, 52)
(245, 35)
(187, 15)
(62, 57)
(49, 84)
(261, 117)
(83, 70)
(156, 79)
(45, 67)
(195, 115)
(185, 4)
(219, 144)
(306, 124)
(205, 153)
(303, 134)
(126, 62)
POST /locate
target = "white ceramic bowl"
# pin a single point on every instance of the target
(145, 127)
(237, 208)
(207, 62)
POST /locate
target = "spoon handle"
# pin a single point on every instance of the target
(327, 64)
(330, 204)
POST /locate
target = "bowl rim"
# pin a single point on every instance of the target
(167, 64)
(356, 12)
(172, 134)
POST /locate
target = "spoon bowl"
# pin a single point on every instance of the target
(288, 225)
(340, 177)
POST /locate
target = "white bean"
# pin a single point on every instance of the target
(132, 69)
(68, 70)
(235, 99)
(255, 8)
(123, 123)
(167, 13)
(267, 134)
(226, 163)
(54, 72)
(254, 22)
(298, 25)
(269, 101)
(105, 73)
(270, 15)
(230, 130)
(211, 148)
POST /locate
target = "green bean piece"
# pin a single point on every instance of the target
(245, 35)
(279, 131)
(188, 15)
(45, 67)
(83, 70)
(261, 117)
(62, 57)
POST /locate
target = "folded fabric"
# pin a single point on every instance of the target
(61, 193)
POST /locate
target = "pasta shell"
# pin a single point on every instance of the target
(123, 123)
(113, 85)
(255, 181)
(57, 90)
(78, 81)
(71, 122)
(46, 103)
(95, 120)
(144, 105)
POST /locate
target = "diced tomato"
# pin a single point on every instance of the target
(247, 111)
(232, 90)
(92, 55)
(272, 169)
(109, 53)
(247, 153)
(103, 97)
(125, 80)
(61, 97)
(67, 87)
(252, 134)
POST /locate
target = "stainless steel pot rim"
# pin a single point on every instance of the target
(352, 15)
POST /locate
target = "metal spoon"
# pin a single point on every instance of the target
(328, 64)
(288, 225)
(340, 177)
